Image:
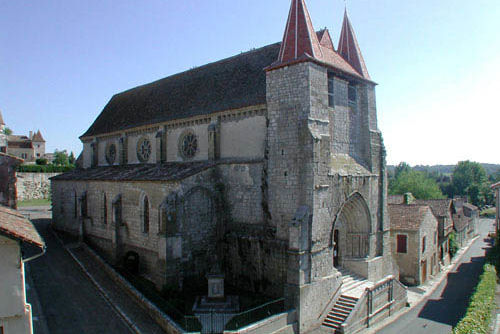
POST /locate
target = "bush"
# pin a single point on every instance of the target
(478, 316)
(44, 168)
(453, 244)
(42, 161)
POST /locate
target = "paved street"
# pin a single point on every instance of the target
(68, 300)
(446, 306)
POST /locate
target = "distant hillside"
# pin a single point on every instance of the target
(447, 169)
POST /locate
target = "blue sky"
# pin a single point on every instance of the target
(436, 62)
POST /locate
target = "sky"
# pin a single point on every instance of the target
(436, 63)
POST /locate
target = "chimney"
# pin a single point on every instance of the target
(408, 198)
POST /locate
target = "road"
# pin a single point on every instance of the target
(70, 303)
(444, 308)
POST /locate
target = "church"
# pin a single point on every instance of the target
(269, 163)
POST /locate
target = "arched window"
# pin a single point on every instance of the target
(84, 206)
(104, 209)
(75, 205)
(145, 215)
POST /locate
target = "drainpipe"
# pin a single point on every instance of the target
(34, 256)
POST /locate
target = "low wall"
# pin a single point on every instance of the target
(33, 185)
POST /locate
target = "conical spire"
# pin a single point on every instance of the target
(349, 48)
(325, 39)
(300, 38)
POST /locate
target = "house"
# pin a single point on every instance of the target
(414, 240)
(442, 208)
(29, 148)
(496, 188)
(465, 218)
(8, 190)
(269, 165)
(15, 230)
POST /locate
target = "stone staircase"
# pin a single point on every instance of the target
(353, 287)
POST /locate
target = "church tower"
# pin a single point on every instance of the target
(326, 165)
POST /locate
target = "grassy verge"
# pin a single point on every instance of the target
(34, 202)
(488, 213)
(482, 303)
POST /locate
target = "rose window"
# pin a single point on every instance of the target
(111, 154)
(189, 145)
(144, 150)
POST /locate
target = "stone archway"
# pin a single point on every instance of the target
(351, 231)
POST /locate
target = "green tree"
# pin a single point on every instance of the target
(71, 158)
(7, 131)
(469, 179)
(401, 168)
(418, 183)
(61, 158)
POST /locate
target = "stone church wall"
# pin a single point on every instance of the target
(33, 185)
(253, 259)
(243, 138)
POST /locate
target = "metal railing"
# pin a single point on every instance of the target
(256, 314)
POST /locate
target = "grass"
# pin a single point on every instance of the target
(34, 202)
(479, 313)
(490, 212)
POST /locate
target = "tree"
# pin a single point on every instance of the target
(469, 179)
(7, 131)
(417, 183)
(71, 158)
(42, 161)
(61, 158)
(401, 168)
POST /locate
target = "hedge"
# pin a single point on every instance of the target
(45, 168)
(478, 316)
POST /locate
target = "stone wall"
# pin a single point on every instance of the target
(33, 185)
(217, 212)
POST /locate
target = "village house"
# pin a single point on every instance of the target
(465, 218)
(29, 148)
(414, 239)
(441, 208)
(15, 231)
(268, 165)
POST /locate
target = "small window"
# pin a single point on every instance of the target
(38, 154)
(402, 243)
(145, 215)
(84, 207)
(117, 211)
(423, 245)
(352, 94)
(104, 209)
(331, 89)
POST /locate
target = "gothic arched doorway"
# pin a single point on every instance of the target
(351, 231)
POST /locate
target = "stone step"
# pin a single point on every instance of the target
(340, 310)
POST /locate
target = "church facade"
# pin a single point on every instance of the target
(270, 163)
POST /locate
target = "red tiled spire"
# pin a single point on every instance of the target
(349, 48)
(325, 39)
(300, 38)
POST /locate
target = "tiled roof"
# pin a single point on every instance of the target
(301, 43)
(471, 206)
(14, 225)
(439, 207)
(349, 48)
(18, 160)
(407, 217)
(38, 137)
(395, 199)
(325, 39)
(143, 172)
(20, 144)
(232, 83)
